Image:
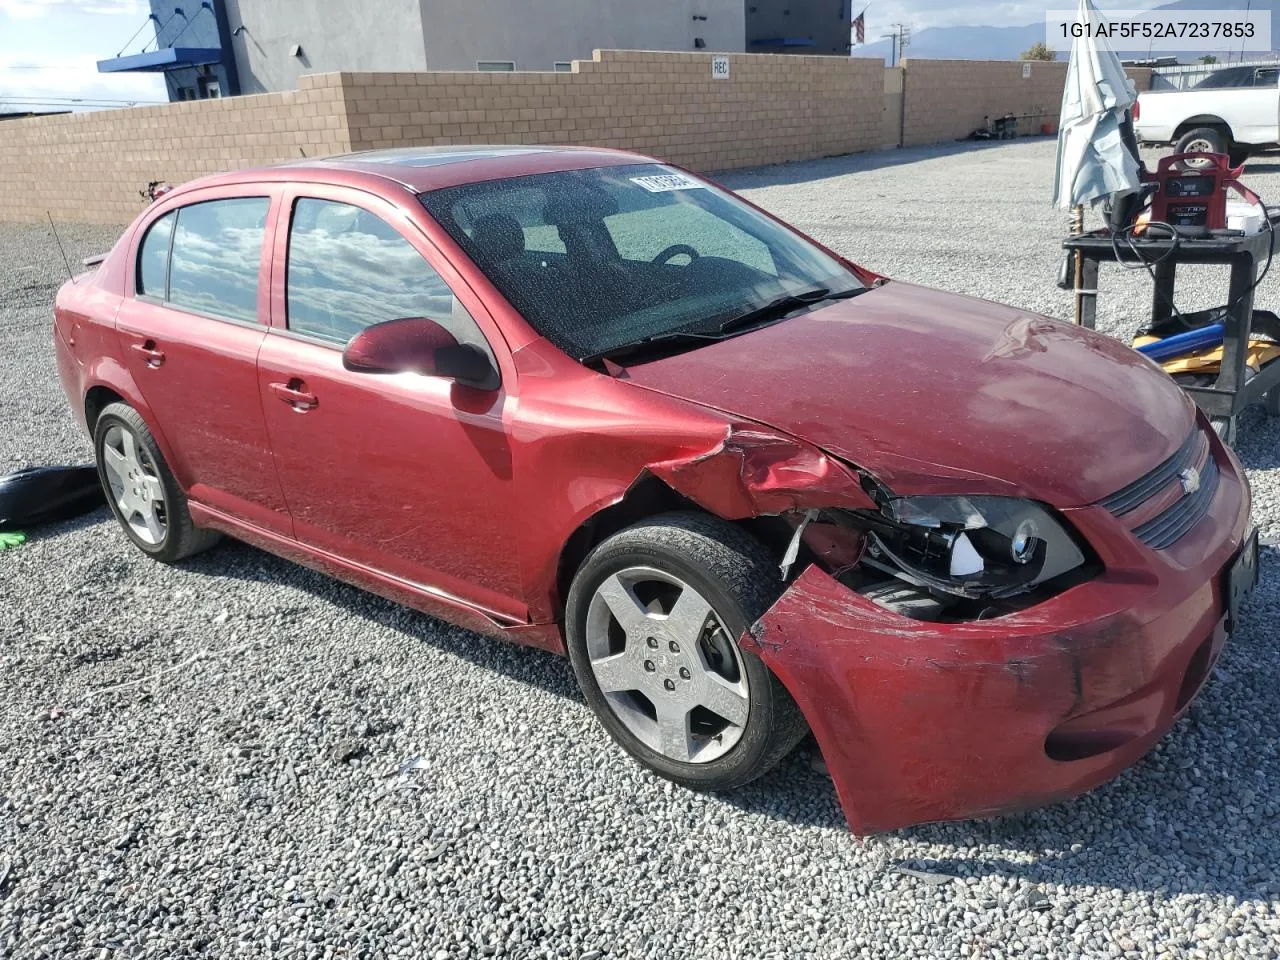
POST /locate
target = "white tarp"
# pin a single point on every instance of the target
(1093, 160)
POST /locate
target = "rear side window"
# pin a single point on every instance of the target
(153, 260)
(217, 252)
(348, 269)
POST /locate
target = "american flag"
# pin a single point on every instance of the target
(860, 28)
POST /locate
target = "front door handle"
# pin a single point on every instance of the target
(153, 356)
(295, 394)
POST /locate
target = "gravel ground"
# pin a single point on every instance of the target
(239, 758)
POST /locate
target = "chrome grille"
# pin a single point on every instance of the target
(1172, 523)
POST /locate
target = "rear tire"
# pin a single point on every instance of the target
(141, 490)
(1203, 140)
(654, 614)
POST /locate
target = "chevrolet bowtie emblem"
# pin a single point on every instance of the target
(1190, 480)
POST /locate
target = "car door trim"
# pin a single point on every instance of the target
(169, 305)
(306, 338)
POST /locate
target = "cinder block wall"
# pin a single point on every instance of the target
(772, 108)
(89, 167)
(948, 99)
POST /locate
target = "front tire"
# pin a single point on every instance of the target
(652, 620)
(141, 491)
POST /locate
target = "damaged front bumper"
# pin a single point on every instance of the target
(924, 721)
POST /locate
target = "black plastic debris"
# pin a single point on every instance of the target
(934, 878)
(42, 495)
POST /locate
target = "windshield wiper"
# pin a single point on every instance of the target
(773, 310)
(674, 339)
(777, 309)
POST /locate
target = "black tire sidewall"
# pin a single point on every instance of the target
(741, 763)
(167, 549)
(1204, 133)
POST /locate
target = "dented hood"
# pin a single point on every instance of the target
(938, 393)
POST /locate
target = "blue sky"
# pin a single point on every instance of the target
(48, 48)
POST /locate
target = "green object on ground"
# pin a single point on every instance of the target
(10, 540)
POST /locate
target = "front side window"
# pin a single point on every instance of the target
(217, 253)
(153, 258)
(348, 269)
(614, 257)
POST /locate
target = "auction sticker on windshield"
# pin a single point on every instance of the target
(664, 182)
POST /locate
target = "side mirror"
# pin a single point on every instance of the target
(419, 345)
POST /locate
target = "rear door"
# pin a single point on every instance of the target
(404, 474)
(191, 328)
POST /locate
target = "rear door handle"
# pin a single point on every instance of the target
(295, 394)
(153, 356)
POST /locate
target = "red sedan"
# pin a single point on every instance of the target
(589, 402)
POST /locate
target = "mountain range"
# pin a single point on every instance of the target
(1007, 43)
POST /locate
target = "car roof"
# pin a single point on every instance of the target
(420, 169)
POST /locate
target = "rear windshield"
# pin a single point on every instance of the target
(597, 259)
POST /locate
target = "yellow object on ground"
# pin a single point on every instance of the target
(1261, 352)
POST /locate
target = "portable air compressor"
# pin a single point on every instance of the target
(1194, 199)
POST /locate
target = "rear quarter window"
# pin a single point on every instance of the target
(153, 258)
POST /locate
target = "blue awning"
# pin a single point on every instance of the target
(784, 42)
(158, 61)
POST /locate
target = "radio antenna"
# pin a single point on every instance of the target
(65, 262)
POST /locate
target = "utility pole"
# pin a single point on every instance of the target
(901, 36)
(1247, 10)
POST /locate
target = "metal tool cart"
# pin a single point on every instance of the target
(1237, 387)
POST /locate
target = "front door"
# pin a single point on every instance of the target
(190, 337)
(405, 474)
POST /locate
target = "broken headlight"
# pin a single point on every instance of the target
(977, 547)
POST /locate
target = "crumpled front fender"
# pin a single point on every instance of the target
(753, 473)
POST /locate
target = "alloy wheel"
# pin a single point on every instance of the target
(135, 484)
(666, 664)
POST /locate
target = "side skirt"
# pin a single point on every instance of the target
(422, 597)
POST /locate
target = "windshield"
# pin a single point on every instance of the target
(601, 259)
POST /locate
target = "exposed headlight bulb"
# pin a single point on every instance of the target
(1022, 545)
(965, 560)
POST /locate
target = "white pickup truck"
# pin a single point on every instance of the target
(1234, 111)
